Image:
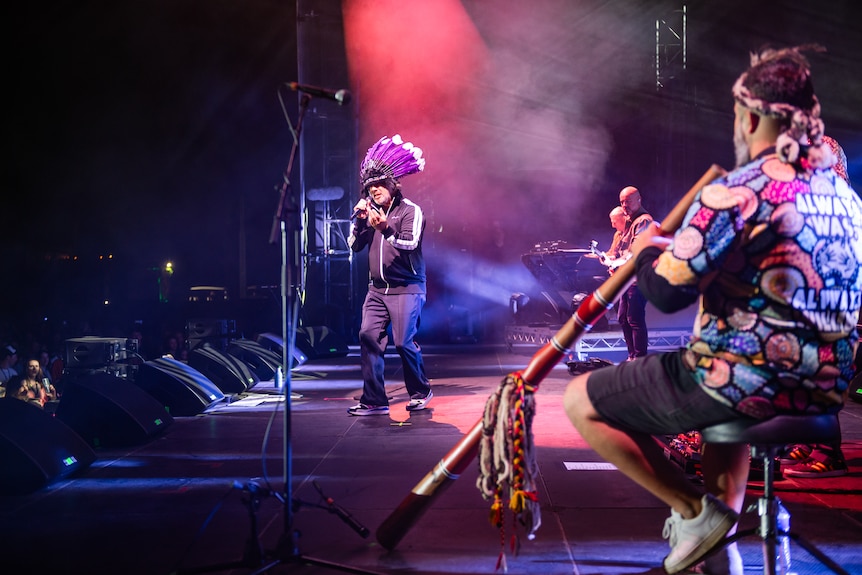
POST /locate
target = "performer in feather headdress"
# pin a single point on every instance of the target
(391, 226)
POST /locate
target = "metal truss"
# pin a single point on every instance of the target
(592, 343)
(670, 47)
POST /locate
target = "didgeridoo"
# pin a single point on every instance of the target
(402, 519)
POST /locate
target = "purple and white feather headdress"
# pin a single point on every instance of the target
(390, 158)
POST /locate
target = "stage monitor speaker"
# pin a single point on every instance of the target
(107, 411)
(318, 341)
(275, 344)
(182, 389)
(228, 372)
(36, 448)
(263, 362)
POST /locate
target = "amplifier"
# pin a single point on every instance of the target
(216, 332)
(856, 387)
(684, 450)
(86, 352)
(856, 383)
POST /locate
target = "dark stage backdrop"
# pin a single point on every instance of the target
(150, 131)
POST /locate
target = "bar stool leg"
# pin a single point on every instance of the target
(767, 510)
(775, 537)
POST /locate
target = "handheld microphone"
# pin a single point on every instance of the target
(340, 96)
(358, 211)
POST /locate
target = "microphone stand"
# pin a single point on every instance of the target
(287, 216)
(286, 221)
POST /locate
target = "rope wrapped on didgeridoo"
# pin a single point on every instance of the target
(507, 459)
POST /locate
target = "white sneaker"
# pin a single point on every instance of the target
(417, 404)
(691, 539)
(363, 409)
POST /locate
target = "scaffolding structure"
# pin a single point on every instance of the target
(328, 174)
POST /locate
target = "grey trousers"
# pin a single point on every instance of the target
(398, 313)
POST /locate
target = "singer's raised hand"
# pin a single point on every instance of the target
(377, 219)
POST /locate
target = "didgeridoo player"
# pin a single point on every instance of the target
(772, 252)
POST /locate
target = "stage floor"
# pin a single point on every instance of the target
(180, 501)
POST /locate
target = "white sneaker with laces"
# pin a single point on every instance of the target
(362, 409)
(691, 539)
(417, 404)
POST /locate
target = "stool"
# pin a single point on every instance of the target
(767, 438)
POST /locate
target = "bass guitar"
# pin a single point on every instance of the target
(606, 260)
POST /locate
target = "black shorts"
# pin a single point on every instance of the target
(655, 394)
